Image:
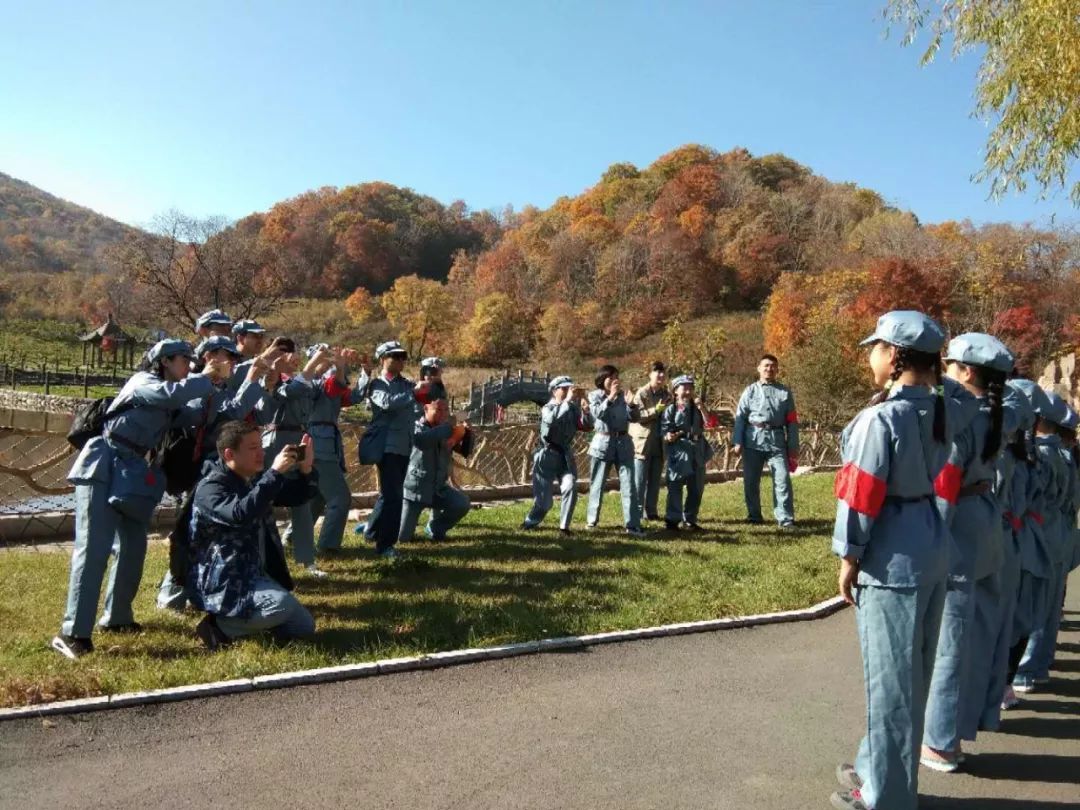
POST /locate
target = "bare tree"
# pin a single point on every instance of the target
(188, 265)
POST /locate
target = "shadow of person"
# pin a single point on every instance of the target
(1054, 768)
(1054, 728)
(951, 803)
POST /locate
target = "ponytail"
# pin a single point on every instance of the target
(906, 359)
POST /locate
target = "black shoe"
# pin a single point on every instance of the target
(671, 525)
(694, 527)
(754, 522)
(652, 517)
(131, 628)
(71, 647)
(210, 634)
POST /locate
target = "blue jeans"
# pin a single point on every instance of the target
(447, 510)
(332, 502)
(275, 609)
(543, 499)
(898, 633)
(392, 470)
(631, 504)
(951, 666)
(695, 487)
(99, 531)
(647, 472)
(1039, 654)
(754, 462)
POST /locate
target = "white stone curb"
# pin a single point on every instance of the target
(413, 663)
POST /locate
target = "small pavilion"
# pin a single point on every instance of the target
(108, 339)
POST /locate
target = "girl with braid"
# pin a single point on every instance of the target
(973, 596)
(894, 550)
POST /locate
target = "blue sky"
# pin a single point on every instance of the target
(228, 107)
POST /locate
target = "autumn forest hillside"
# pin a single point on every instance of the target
(698, 234)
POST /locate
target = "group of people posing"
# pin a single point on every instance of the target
(262, 429)
(956, 527)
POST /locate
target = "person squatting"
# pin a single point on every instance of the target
(956, 526)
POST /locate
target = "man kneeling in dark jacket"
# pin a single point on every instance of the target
(238, 573)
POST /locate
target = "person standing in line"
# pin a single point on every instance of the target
(683, 427)
(971, 510)
(894, 550)
(767, 432)
(1034, 668)
(613, 411)
(651, 400)
(553, 461)
(1035, 554)
(117, 490)
(334, 393)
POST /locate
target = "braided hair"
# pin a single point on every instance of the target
(993, 382)
(910, 359)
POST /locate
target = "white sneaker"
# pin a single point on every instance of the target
(939, 765)
(313, 571)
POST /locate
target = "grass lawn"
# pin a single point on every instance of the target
(490, 584)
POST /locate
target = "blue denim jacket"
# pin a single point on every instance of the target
(559, 423)
(330, 398)
(886, 516)
(286, 412)
(611, 422)
(393, 404)
(688, 454)
(428, 474)
(231, 518)
(772, 405)
(974, 520)
(160, 404)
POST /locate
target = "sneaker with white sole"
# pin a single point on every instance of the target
(1023, 684)
(849, 800)
(938, 761)
(1009, 700)
(71, 647)
(847, 777)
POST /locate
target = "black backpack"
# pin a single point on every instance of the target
(89, 420)
(180, 457)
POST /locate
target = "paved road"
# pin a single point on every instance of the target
(740, 719)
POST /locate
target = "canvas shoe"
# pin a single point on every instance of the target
(71, 647)
(1009, 700)
(849, 800)
(315, 572)
(847, 777)
(1023, 684)
(938, 761)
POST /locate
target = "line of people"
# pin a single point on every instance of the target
(956, 527)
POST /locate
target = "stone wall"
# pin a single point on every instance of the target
(1062, 376)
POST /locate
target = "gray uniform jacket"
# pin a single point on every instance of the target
(691, 450)
(223, 406)
(428, 474)
(392, 406)
(611, 420)
(559, 423)
(160, 405)
(286, 412)
(766, 420)
(330, 398)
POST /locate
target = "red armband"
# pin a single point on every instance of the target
(860, 490)
(792, 417)
(1038, 518)
(948, 482)
(335, 390)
